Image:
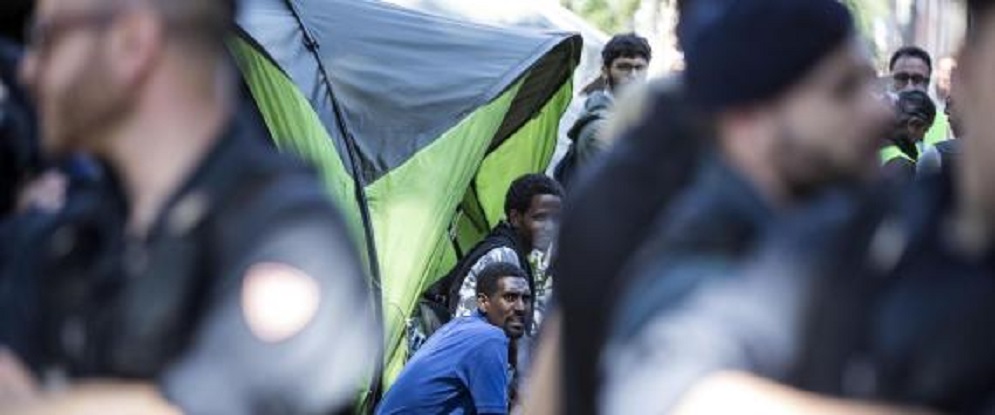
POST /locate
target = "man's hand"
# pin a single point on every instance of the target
(97, 398)
(17, 384)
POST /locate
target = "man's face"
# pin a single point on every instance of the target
(831, 123)
(71, 74)
(539, 224)
(508, 307)
(910, 73)
(625, 71)
(975, 98)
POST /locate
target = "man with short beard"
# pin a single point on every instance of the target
(216, 277)
(871, 299)
(464, 368)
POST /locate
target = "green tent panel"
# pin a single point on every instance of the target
(522, 153)
(416, 123)
(412, 208)
(294, 126)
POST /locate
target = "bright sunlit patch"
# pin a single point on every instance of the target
(278, 300)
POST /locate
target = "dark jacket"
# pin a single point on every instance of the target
(167, 307)
(718, 221)
(915, 325)
(586, 140)
(607, 216)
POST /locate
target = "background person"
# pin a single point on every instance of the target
(625, 59)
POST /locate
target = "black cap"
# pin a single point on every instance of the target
(741, 52)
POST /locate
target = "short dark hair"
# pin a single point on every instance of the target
(627, 45)
(524, 188)
(916, 102)
(487, 279)
(913, 52)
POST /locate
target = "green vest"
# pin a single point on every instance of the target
(892, 151)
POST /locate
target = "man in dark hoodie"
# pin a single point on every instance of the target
(625, 59)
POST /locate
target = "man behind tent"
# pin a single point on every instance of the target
(625, 59)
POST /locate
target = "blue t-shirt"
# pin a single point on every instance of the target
(461, 369)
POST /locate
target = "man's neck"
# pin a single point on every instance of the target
(756, 166)
(155, 150)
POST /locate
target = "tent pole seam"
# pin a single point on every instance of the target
(311, 43)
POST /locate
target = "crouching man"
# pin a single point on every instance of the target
(464, 368)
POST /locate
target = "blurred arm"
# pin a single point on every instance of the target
(742, 393)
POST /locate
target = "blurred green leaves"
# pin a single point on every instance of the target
(611, 16)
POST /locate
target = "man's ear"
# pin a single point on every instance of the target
(483, 303)
(136, 45)
(515, 218)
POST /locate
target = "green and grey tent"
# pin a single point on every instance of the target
(417, 124)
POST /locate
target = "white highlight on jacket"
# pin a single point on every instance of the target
(278, 300)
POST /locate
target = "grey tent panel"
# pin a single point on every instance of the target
(402, 78)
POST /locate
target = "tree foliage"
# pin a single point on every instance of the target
(611, 16)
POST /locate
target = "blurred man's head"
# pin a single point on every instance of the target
(975, 94)
(503, 296)
(915, 113)
(789, 86)
(91, 61)
(533, 206)
(911, 68)
(625, 59)
(944, 77)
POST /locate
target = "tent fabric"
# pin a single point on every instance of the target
(412, 208)
(411, 119)
(294, 126)
(449, 68)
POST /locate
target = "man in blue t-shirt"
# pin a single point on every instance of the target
(463, 368)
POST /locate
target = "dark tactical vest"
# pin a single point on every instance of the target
(114, 307)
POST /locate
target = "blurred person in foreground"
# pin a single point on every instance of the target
(18, 142)
(942, 156)
(464, 367)
(879, 299)
(625, 59)
(217, 277)
(915, 114)
(603, 224)
(607, 217)
(801, 118)
(922, 298)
